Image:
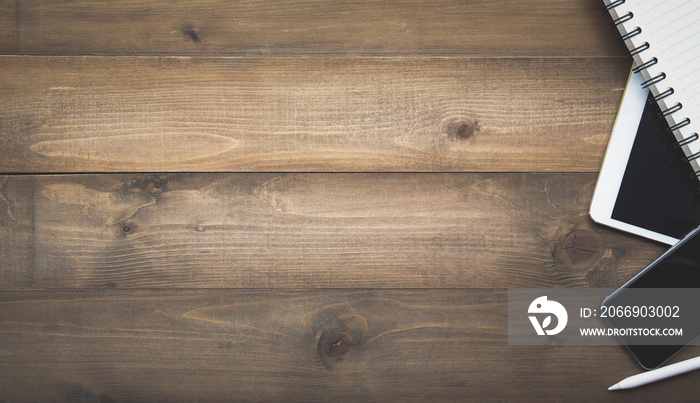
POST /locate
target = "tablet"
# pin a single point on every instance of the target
(644, 186)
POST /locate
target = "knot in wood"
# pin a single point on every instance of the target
(462, 128)
(342, 336)
(156, 184)
(336, 344)
(136, 182)
(579, 248)
(191, 33)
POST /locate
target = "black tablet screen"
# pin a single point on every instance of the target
(659, 191)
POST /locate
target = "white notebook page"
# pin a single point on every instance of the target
(670, 32)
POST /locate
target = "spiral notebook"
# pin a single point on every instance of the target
(663, 36)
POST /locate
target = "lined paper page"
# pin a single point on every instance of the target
(671, 29)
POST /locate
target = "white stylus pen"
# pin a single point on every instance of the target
(658, 374)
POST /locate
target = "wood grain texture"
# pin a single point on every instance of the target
(9, 26)
(217, 27)
(133, 278)
(93, 114)
(224, 345)
(309, 230)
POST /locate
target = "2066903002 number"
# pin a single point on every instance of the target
(643, 311)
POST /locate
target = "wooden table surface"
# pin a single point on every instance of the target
(303, 200)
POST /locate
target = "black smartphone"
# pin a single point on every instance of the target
(678, 268)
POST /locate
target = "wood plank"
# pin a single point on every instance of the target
(309, 230)
(9, 26)
(224, 345)
(217, 27)
(94, 114)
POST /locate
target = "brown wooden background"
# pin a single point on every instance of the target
(303, 200)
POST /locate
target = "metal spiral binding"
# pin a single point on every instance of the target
(636, 31)
(645, 65)
(683, 123)
(678, 144)
(622, 19)
(687, 141)
(668, 92)
(639, 49)
(613, 5)
(655, 80)
(691, 157)
(675, 108)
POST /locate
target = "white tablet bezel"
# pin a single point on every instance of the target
(615, 161)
